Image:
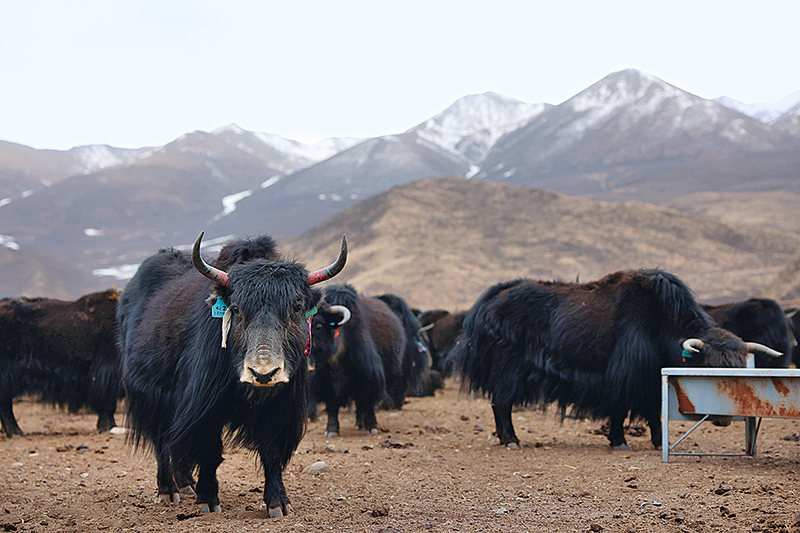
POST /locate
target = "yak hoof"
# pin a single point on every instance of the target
(188, 490)
(624, 447)
(206, 509)
(168, 498)
(373, 431)
(278, 511)
(512, 446)
(331, 434)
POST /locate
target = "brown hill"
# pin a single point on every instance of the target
(441, 242)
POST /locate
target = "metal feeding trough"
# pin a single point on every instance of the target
(726, 394)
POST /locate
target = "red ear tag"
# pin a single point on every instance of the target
(336, 334)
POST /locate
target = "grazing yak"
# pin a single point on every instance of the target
(758, 320)
(218, 350)
(62, 350)
(420, 378)
(357, 354)
(596, 349)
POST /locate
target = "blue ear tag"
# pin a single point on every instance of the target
(686, 355)
(312, 312)
(219, 308)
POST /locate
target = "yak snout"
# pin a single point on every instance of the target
(264, 369)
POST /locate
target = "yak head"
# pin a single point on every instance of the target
(719, 347)
(329, 341)
(267, 305)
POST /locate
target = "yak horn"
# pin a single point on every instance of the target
(693, 345)
(343, 310)
(330, 271)
(214, 274)
(756, 347)
(426, 328)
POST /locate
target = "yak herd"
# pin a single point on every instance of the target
(244, 348)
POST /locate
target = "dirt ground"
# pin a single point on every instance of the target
(435, 467)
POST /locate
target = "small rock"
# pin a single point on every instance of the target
(379, 511)
(723, 488)
(501, 510)
(315, 469)
(596, 527)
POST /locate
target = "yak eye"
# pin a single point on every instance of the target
(297, 308)
(235, 311)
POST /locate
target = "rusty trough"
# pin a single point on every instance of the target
(727, 394)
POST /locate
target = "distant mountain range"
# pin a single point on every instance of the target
(630, 136)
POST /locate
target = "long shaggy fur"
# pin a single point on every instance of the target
(184, 390)
(419, 378)
(362, 362)
(758, 320)
(64, 351)
(595, 349)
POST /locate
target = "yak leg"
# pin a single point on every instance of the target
(183, 478)
(105, 417)
(167, 490)
(274, 492)
(654, 421)
(616, 431)
(365, 417)
(207, 486)
(332, 428)
(7, 418)
(504, 429)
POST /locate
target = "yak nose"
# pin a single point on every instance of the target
(263, 379)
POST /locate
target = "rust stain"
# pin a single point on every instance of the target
(748, 403)
(685, 405)
(780, 386)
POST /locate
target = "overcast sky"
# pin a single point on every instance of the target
(141, 73)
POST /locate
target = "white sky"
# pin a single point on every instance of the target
(139, 73)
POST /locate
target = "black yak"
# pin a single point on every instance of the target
(758, 320)
(419, 376)
(596, 349)
(442, 328)
(357, 355)
(219, 352)
(62, 350)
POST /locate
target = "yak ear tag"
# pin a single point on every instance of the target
(312, 312)
(686, 355)
(219, 308)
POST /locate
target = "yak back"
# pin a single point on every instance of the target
(759, 320)
(590, 347)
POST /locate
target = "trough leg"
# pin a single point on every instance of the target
(274, 492)
(7, 418)
(207, 487)
(504, 429)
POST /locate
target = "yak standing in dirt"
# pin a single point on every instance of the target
(62, 350)
(222, 351)
(357, 355)
(596, 349)
(420, 378)
(758, 320)
(442, 328)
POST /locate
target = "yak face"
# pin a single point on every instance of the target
(329, 339)
(720, 348)
(268, 305)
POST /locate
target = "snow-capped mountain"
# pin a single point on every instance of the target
(594, 142)
(764, 112)
(473, 124)
(629, 136)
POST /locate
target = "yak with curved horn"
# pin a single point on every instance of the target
(186, 387)
(595, 349)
